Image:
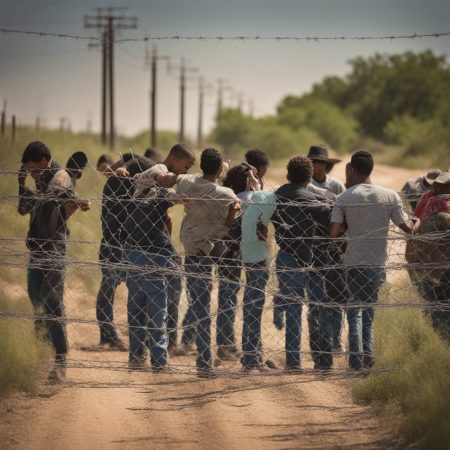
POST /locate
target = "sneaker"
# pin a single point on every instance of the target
(57, 375)
(226, 353)
(118, 346)
(136, 363)
(270, 364)
(161, 369)
(206, 373)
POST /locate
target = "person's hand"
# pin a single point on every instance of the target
(278, 313)
(122, 172)
(85, 204)
(22, 175)
(253, 183)
(233, 212)
(70, 207)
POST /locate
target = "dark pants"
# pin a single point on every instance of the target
(46, 290)
(111, 278)
(174, 288)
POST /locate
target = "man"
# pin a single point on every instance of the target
(116, 194)
(178, 162)
(437, 199)
(415, 187)
(154, 154)
(209, 214)
(49, 207)
(260, 161)
(328, 187)
(367, 210)
(298, 215)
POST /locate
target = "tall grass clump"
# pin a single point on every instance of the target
(21, 352)
(414, 394)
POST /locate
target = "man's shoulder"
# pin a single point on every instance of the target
(61, 179)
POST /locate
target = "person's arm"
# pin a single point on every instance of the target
(398, 215)
(337, 219)
(166, 180)
(233, 211)
(335, 230)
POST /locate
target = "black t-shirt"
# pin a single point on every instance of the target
(299, 219)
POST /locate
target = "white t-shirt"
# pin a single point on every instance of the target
(205, 214)
(148, 177)
(367, 209)
(330, 184)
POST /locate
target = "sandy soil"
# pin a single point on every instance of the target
(103, 405)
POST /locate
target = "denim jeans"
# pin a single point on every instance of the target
(292, 284)
(174, 288)
(199, 283)
(363, 285)
(226, 313)
(147, 305)
(320, 321)
(254, 297)
(111, 278)
(46, 291)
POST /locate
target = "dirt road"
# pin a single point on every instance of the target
(103, 405)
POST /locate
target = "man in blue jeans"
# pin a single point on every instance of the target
(150, 256)
(208, 215)
(367, 210)
(298, 214)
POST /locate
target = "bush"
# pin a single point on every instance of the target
(21, 352)
(414, 394)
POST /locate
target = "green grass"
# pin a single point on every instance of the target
(414, 398)
(21, 352)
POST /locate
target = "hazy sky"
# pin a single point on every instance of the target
(53, 77)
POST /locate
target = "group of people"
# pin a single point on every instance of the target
(332, 249)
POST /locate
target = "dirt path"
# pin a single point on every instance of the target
(102, 405)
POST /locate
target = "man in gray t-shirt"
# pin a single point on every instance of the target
(367, 210)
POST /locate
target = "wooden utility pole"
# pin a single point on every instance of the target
(38, 123)
(13, 127)
(220, 88)
(3, 120)
(108, 20)
(182, 98)
(200, 112)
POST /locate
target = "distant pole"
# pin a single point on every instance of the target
(13, 126)
(220, 97)
(200, 113)
(182, 98)
(153, 98)
(3, 123)
(62, 122)
(111, 83)
(38, 123)
(104, 83)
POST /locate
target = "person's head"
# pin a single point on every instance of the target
(138, 164)
(361, 166)
(322, 163)
(76, 164)
(237, 177)
(36, 158)
(441, 185)
(104, 164)
(211, 162)
(299, 170)
(154, 154)
(258, 159)
(180, 159)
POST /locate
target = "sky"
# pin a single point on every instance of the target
(51, 77)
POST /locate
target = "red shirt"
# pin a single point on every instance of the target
(430, 203)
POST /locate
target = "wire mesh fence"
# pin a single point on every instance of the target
(269, 292)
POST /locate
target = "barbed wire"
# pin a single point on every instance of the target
(241, 38)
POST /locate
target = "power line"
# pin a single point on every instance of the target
(237, 37)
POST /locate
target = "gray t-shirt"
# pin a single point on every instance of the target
(148, 177)
(205, 214)
(367, 209)
(330, 184)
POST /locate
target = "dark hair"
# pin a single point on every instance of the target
(138, 164)
(104, 159)
(236, 177)
(300, 169)
(362, 163)
(182, 150)
(256, 158)
(154, 154)
(35, 152)
(210, 161)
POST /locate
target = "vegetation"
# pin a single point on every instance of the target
(413, 392)
(397, 106)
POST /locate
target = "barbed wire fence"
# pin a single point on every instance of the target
(262, 316)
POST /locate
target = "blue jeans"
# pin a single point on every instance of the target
(199, 283)
(363, 285)
(147, 305)
(174, 288)
(292, 284)
(46, 290)
(226, 313)
(111, 278)
(254, 297)
(320, 321)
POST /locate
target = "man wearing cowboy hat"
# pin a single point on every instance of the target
(415, 187)
(322, 165)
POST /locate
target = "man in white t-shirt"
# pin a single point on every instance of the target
(367, 210)
(209, 213)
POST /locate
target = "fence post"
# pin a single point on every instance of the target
(3, 123)
(13, 127)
